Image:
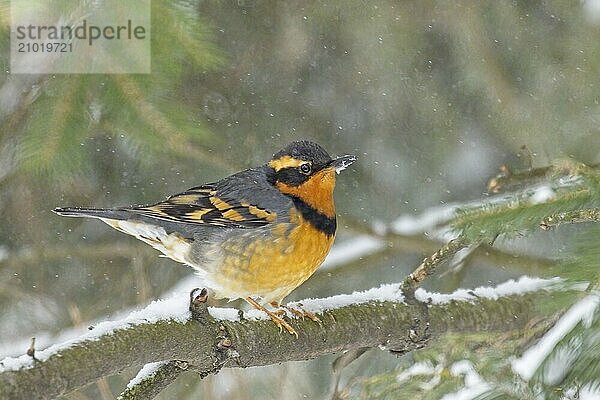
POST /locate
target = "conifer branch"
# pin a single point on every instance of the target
(571, 217)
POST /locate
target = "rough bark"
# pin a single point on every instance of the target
(209, 345)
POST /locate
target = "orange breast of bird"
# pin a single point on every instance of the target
(273, 263)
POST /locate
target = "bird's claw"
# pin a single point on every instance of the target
(298, 311)
(280, 322)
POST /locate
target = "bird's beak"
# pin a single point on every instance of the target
(342, 162)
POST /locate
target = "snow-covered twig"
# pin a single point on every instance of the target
(153, 378)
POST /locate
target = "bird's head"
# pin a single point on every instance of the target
(305, 170)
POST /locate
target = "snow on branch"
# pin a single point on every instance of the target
(172, 309)
(175, 309)
(148, 371)
(379, 317)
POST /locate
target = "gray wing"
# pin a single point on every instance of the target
(245, 200)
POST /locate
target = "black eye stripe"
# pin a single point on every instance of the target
(291, 176)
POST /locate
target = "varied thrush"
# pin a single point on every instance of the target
(257, 234)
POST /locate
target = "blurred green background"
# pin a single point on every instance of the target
(432, 97)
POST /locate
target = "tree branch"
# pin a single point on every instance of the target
(208, 343)
(571, 217)
(151, 385)
(418, 243)
(427, 267)
(508, 180)
(152, 379)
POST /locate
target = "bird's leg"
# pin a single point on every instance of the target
(274, 317)
(297, 311)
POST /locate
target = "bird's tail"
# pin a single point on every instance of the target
(107, 213)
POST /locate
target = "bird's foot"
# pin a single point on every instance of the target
(281, 323)
(298, 311)
(277, 319)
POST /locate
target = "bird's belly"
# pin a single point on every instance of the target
(271, 265)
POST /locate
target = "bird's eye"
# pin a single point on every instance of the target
(305, 168)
